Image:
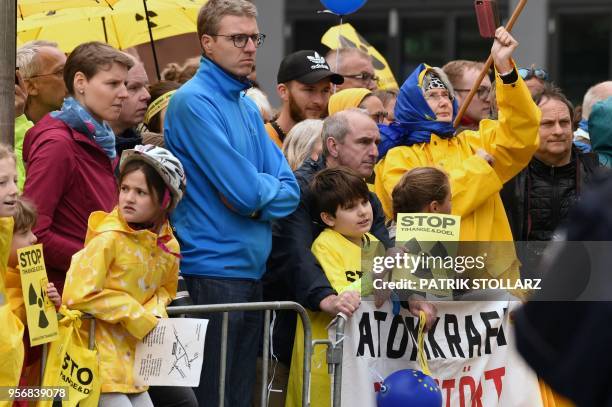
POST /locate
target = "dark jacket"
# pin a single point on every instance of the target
(567, 343)
(293, 273)
(128, 139)
(538, 199)
(67, 177)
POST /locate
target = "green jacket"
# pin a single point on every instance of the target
(601, 131)
(22, 125)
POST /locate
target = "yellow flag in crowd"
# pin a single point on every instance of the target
(345, 36)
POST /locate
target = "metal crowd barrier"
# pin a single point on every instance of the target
(334, 350)
(334, 359)
(256, 306)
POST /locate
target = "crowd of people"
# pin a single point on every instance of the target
(128, 185)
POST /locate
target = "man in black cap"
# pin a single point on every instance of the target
(304, 85)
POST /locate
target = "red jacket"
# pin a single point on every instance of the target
(68, 177)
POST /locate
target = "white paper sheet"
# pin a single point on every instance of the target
(171, 354)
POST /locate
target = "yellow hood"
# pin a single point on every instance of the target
(346, 99)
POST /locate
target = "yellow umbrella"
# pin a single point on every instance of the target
(126, 24)
(27, 8)
(122, 26)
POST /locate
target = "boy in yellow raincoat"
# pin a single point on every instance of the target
(128, 271)
(342, 201)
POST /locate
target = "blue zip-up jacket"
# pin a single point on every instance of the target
(237, 179)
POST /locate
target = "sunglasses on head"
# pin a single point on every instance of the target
(528, 73)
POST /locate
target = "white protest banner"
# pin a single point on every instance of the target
(171, 354)
(470, 352)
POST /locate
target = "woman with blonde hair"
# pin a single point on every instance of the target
(302, 142)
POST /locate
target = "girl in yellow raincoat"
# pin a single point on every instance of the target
(128, 271)
(11, 345)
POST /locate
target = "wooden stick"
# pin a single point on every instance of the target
(515, 15)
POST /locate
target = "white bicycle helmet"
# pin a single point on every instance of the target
(165, 163)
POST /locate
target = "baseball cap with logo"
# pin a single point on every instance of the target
(306, 67)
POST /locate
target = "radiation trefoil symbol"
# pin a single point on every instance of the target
(438, 250)
(35, 299)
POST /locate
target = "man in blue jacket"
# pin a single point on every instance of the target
(238, 182)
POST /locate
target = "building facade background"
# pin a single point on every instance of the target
(572, 39)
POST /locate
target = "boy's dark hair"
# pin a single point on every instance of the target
(25, 215)
(418, 188)
(335, 188)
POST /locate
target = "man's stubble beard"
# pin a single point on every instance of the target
(294, 110)
(296, 113)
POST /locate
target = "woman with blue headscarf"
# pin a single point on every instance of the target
(478, 162)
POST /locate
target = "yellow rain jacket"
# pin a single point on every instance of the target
(11, 338)
(475, 185)
(14, 293)
(124, 279)
(6, 238)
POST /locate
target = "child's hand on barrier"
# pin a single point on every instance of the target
(54, 296)
(346, 303)
(416, 303)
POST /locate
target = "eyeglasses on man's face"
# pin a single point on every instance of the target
(59, 73)
(483, 92)
(241, 40)
(363, 76)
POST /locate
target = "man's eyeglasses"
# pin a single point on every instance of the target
(539, 73)
(379, 117)
(241, 40)
(59, 73)
(483, 92)
(363, 76)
